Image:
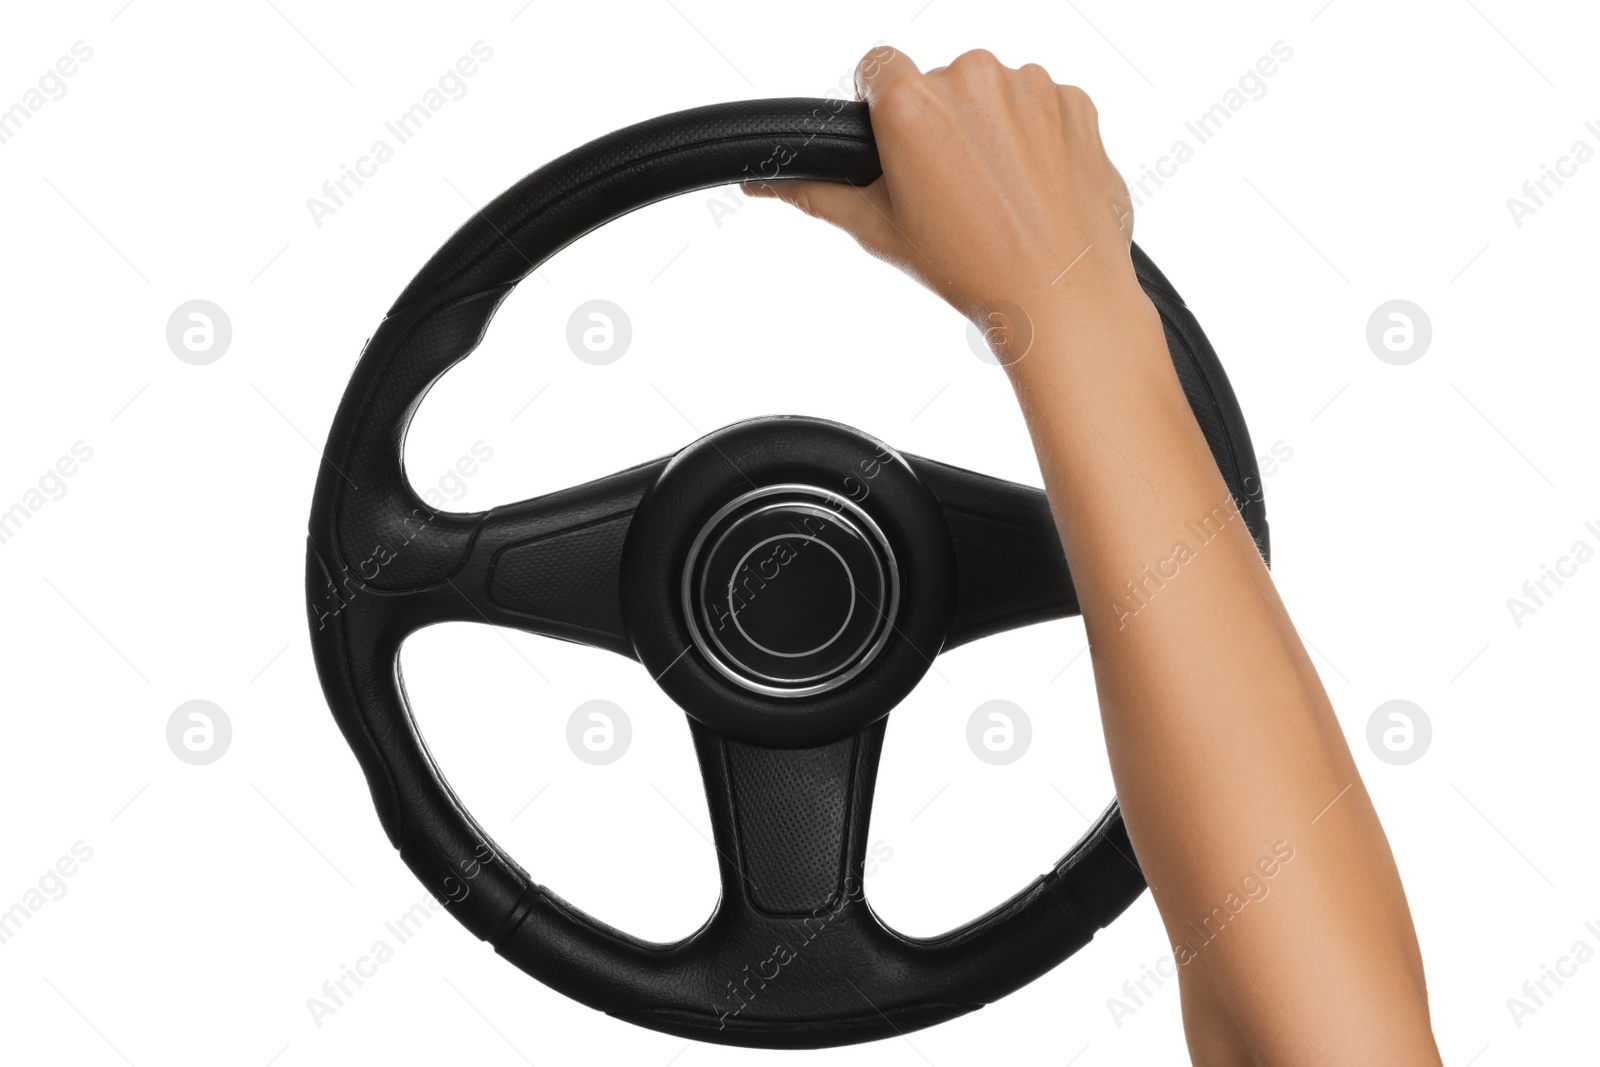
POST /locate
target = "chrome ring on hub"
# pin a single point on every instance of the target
(853, 520)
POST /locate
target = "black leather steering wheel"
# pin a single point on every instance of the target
(785, 580)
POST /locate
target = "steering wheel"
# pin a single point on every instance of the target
(786, 580)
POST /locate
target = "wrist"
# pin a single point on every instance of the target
(1100, 325)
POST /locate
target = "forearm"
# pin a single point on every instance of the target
(1224, 747)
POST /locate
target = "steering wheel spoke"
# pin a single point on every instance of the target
(790, 824)
(550, 565)
(1010, 567)
(547, 565)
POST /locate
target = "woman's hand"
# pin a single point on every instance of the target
(1044, 219)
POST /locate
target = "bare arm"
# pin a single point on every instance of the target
(1294, 939)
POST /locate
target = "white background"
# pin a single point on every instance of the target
(177, 166)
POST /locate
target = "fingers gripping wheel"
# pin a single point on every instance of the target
(786, 580)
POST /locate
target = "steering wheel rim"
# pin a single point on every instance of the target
(381, 563)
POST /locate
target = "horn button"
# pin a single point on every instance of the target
(789, 589)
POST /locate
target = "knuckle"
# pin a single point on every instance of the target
(1035, 75)
(979, 62)
(1033, 85)
(1077, 100)
(902, 100)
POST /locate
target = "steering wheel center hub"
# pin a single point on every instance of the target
(788, 590)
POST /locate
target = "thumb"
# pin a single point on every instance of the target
(861, 211)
